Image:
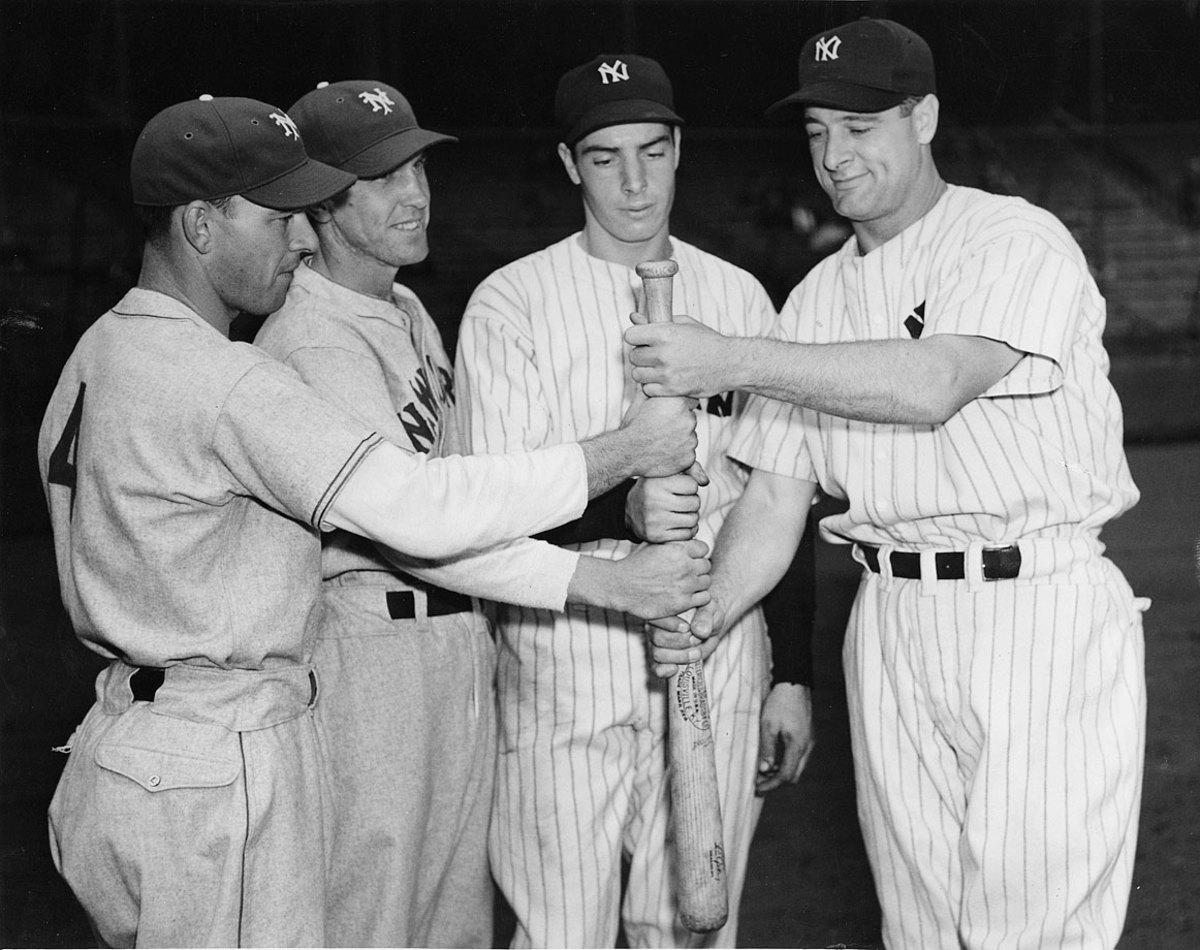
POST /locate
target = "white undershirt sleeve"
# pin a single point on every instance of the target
(441, 508)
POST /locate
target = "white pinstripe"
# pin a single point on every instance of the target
(997, 727)
(581, 779)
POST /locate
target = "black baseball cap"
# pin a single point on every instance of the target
(612, 89)
(210, 148)
(868, 65)
(361, 126)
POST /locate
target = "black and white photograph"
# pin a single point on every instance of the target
(600, 473)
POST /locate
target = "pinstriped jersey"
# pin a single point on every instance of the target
(541, 358)
(1039, 454)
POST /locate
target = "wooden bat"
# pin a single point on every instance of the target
(695, 808)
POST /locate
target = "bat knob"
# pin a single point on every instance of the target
(651, 269)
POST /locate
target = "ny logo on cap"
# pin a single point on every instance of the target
(284, 122)
(827, 48)
(614, 73)
(377, 100)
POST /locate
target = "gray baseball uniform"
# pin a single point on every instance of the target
(407, 711)
(187, 478)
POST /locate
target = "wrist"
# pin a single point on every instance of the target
(596, 583)
(740, 363)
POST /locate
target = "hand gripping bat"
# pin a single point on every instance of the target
(695, 809)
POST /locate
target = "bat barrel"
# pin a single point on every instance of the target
(695, 807)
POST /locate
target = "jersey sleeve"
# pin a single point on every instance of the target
(441, 508)
(1020, 289)
(499, 404)
(790, 612)
(355, 383)
(770, 434)
(523, 572)
(283, 444)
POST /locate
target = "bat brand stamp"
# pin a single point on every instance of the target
(716, 861)
(693, 699)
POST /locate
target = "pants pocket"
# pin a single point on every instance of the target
(161, 753)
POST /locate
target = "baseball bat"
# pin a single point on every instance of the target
(695, 808)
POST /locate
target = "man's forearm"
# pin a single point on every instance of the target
(758, 541)
(881, 381)
(907, 382)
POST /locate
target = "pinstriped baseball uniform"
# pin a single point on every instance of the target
(582, 723)
(407, 710)
(997, 726)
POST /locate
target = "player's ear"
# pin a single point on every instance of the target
(196, 223)
(677, 137)
(568, 159)
(319, 213)
(925, 118)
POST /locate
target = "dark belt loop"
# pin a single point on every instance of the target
(145, 681)
(401, 604)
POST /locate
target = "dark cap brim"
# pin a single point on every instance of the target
(306, 184)
(845, 96)
(392, 152)
(619, 112)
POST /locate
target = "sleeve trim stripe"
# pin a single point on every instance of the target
(335, 485)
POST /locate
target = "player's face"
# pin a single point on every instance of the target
(627, 176)
(385, 219)
(256, 252)
(872, 164)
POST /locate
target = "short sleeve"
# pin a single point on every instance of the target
(770, 435)
(283, 444)
(1021, 290)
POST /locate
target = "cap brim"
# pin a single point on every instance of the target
(306, 184)
(392, 152)
(838, 95)
(620, 112)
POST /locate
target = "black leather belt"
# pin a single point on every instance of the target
(402, 604)
(998, 563)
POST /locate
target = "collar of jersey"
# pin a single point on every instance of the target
(343, 297)
(849, 250)
(144, 302)
(575, 243)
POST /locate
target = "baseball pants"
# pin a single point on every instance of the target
(998, 730)
(582, 781)
(196, 819)
(407, 719)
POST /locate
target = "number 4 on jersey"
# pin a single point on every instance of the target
(62, 470)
